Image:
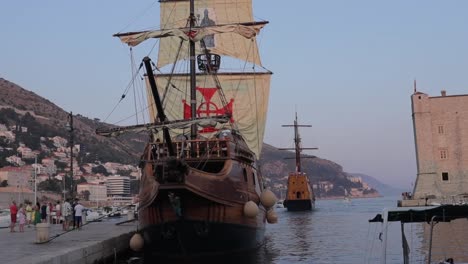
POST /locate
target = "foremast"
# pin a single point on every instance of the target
(157, 100)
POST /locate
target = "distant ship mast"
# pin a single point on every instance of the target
(297, 144)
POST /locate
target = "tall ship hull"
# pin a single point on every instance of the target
(201, 192)
(299, 196)
(300, 205)
(187, 211)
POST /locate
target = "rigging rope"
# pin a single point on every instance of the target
(125, 91)
(132, 65)
(145, 10)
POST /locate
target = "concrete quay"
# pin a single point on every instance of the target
(93, 243)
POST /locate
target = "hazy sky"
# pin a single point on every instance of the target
(346, 66)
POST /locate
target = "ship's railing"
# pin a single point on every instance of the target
(195, 149)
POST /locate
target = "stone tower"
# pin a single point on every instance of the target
(440, 126)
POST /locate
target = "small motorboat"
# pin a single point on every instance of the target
(5, 219)
(279, 204)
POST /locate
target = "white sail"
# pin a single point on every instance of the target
(246, 96)
(174, 14)
(226, 27)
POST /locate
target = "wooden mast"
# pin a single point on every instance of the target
(297, 144)
(157, 100)
(193, 88)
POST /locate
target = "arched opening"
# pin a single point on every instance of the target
(298, 195)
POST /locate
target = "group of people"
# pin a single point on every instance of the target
(33, 214)
(72, 213)
(27, 214)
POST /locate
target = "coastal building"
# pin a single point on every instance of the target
(13, 193)
(441, 139)
(118, 186)
(16, 176)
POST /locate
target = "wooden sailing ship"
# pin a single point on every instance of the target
(201, 192)
(300, 195)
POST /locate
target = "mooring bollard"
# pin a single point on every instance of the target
(42, 232)
(130, 215)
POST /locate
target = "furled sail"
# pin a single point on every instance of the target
(246, 95)
(247, 30)
(174, 14)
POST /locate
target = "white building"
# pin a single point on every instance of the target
(118, 186)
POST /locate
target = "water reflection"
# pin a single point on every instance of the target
(261, 255)
(297, 226)
(264, 254)
(335, 232)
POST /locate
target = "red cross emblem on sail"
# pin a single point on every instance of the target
(192, 33)
(208, 108)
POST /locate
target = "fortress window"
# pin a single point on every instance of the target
(443, 154)
(441, 129)
(253, 178)
(245, 175)
(445, 176)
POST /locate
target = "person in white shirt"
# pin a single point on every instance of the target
(78, 214)
(67, 215)
(58, 213)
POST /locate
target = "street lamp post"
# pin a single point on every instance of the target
(70, 129)
(35, 180)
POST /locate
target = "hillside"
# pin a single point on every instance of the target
(42, 118)
(384, 189)
(328, 177)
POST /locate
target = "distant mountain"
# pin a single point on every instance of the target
(384, 189)
(327, 176)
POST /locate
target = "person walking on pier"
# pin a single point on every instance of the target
(78, 214)
(75, 202)
(13, 212)
(44, 213)
(21, 218)
(67, 215)
(37, 214)
(29, 212)
(49, 213)
(58, 212)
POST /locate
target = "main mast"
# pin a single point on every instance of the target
(297, 144)
(193, 88)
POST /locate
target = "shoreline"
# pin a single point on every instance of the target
(351, 197)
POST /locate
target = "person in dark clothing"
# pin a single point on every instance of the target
(44, 213)
(75, 202)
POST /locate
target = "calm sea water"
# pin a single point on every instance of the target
(336, 232)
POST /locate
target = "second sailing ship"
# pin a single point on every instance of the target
(300, 195)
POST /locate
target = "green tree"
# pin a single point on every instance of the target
(124, 172)
(81, 180)
(8, 116)
(100, 169)
(51, 185)
(85, 194)
(60, 165)
(4, 183)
